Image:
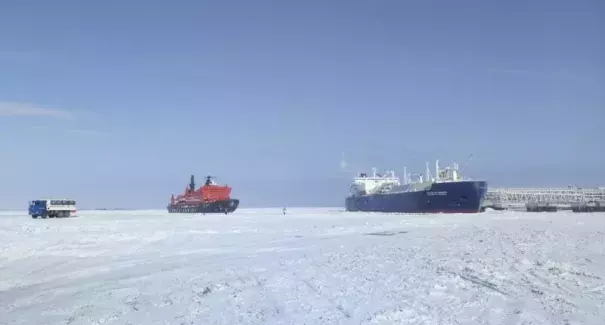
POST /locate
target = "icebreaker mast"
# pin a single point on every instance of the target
(192, 184)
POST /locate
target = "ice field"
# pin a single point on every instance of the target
(312, 266)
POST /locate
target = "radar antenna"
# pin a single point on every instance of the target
(209, 180)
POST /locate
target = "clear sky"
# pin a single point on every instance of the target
(115, 103)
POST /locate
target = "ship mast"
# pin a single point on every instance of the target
(428, 173)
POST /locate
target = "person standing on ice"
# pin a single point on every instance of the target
(284, 210)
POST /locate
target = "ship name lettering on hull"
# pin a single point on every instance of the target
(437, 193)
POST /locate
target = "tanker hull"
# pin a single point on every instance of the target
(222, 206)
(450, 197)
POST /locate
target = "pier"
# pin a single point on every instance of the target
(546, 199)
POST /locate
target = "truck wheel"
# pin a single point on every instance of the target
(34, 216)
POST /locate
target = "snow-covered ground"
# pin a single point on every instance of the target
(312, 266)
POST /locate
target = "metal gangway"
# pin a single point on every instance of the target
(562, 198)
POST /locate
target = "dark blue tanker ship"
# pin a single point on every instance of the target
(445, 193)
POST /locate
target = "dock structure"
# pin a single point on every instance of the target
(546, 199)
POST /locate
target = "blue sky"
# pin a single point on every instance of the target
(116, 103)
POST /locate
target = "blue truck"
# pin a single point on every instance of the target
(50, 208)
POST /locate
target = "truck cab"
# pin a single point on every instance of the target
(51, 208)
